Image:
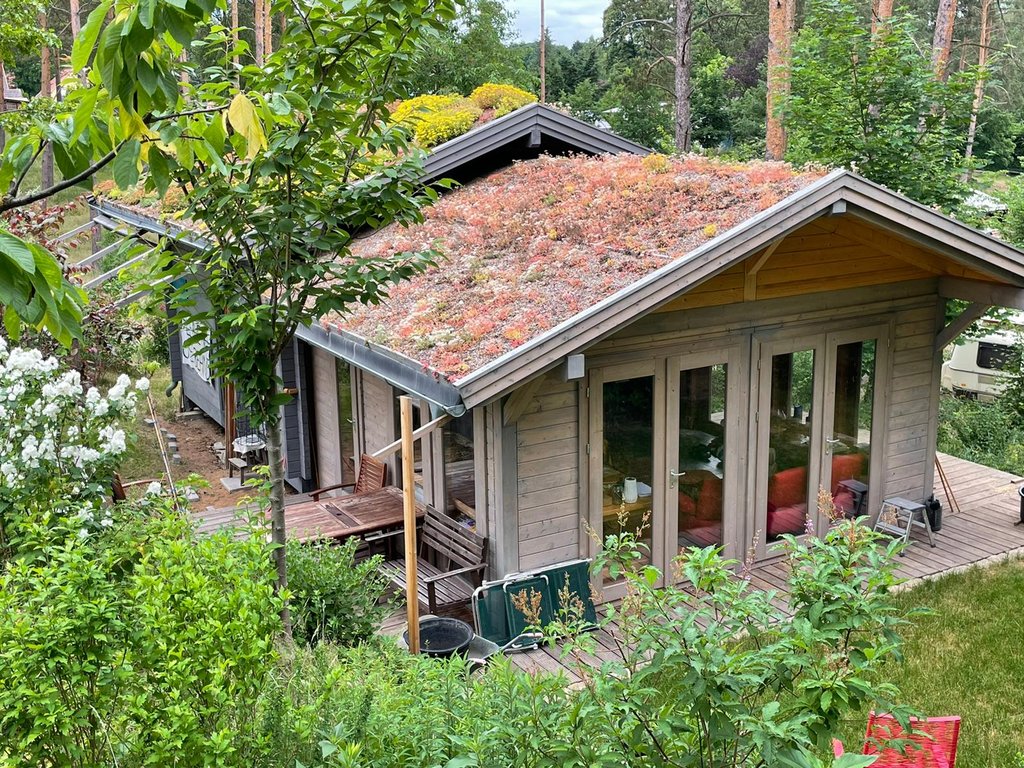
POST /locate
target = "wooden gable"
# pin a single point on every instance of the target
(828, 254)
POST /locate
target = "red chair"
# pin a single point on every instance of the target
(930, 744)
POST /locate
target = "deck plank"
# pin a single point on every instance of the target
(982, 531)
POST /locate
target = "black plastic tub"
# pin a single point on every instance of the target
(442, 637)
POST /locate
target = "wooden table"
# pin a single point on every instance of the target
(345, 516)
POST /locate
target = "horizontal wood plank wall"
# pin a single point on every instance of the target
(325, 418)
(548, 476)
(914, 308)
(911, 417)
(291, 428)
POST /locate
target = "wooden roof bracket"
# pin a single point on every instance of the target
(959, 324)
(520, 400)
(750, 270)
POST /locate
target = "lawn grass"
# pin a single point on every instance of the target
(967, 659)
(143, 459)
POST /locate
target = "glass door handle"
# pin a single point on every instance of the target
(832, 440)
(675, 474)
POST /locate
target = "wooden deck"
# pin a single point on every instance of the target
(982, 533)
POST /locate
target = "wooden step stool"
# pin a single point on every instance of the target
(240, 464)
(899, 515)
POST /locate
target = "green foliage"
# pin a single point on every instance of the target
(715, 677)
(20, 32)
(1013, 223)
(141, 644)
(640, 115)
(871, 103)
(988, 433)
(375, 706)
(334, 598)
(471, 50)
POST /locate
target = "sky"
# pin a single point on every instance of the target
(568, 20)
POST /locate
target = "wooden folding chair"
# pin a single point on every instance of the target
(931, 743)
(372, 476)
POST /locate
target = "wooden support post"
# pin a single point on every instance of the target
(409, 497)
(229, 419)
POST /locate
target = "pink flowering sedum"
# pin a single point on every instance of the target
(532, 245)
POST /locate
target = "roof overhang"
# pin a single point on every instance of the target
(839, 193)
(399, 371)
(396, 369)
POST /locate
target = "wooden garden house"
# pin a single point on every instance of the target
(618, 338)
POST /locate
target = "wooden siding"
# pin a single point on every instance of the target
(325, 418)
(303, 381)
(548, 479)
(294, 423)
(913, 402)
(835, 253)
(173, 344)
(502, 510)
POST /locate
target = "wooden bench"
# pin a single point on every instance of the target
(450, 563)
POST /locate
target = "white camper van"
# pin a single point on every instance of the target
(976, 368)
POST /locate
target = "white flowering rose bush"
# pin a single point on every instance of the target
(59, 445)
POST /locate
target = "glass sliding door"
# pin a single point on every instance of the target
(627, 409)
(788, 507)
(816, 420)
(698, 427)
(850, 419)
(628, 472)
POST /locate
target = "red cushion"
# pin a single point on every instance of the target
(788, 487)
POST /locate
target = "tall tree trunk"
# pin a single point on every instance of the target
(234, 28)
(881, 12)
(781, 18)
(684, 71)
(257, 29)
(268, 30)
(277, 524)
(3, 104)
(542, 53)
(75, 10)
(942, 42)
(46, 164)
(979, 87)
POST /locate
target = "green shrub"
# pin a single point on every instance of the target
(334, 598)
(988, 433)
(375, 706)
(139, 644)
